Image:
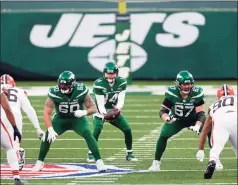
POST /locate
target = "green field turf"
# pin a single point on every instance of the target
(179, 165)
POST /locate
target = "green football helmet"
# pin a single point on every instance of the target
(185, 81)
(109, 70)
(66, 82)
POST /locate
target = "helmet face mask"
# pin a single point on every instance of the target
(184, 81)
(66, 82)
(110, 72)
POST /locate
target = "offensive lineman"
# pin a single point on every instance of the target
(222, 120)
(6, 138)
(18, 101)
(68, 98)
(182, 107)
(110, 92)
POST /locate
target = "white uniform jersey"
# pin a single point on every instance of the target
(19, 101)
(224, 107)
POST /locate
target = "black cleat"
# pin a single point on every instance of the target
(18, 182)
(210, 169)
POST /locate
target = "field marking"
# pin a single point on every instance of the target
(110, 159)
(106, 124)
(41, 117)
(115, 139)
(74, 183)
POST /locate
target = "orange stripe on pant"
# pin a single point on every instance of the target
(212, 134)
(9, 137)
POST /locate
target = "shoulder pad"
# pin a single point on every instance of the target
(197, 92)
(53, 92)
(122, 81)
(171, 93)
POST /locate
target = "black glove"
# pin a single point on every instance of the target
(16, 133)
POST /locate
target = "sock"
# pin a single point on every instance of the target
(92, 144)
(128, 138)
(44, 148)
(160, 147)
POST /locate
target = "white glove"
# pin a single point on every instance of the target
(195, 128)
(170, 119)
(200, 155)
(40, 134)
(80, 113)
(51, 135)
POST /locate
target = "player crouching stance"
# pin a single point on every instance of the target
(110, 91)
(222, 120)
(68, 98)
(19, 101)
(181, 108)
(6, 138)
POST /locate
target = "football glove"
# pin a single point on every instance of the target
(195, 128)
(200, 155)
(16, 133)
(51, 135)
(40, 134)
(171, 119)
(80, 113)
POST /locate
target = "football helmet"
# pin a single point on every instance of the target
(7, 81)
(110, 72)
(225, 90)
(185, 81)
(66, 82)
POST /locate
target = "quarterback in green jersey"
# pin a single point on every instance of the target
(183, 107)
(69, 99)
(110, 91)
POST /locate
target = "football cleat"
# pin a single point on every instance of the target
(210, 169)
(100, 166)
(21, 161)
(38, 166)
(130, 156)
(155, 166)
(219, 166)
(90, 158)
(18, 182)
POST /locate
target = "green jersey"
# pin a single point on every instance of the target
(185, 108)
(110, 93)
(67, 104)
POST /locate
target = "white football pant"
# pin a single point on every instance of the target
(7, 145)
(224, 129)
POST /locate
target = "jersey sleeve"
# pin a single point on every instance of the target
(198, 96)
(52, 93)
(98, 88)
(83, 91)
(123, 84)
(170, 94)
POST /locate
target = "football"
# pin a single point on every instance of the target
(112, 114)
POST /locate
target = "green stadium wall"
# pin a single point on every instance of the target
(41, 44)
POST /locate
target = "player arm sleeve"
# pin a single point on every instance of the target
(200, 116)
(100, 104)
(165, 107)
(201, 102)
(30, 112)
(121, 99)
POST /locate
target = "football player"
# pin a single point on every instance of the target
(222, 121)
(18, 101)
(68, 98)
(110, 92)
(183, 107)
(7, 135)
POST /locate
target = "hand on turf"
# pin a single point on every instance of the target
(195, 128)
